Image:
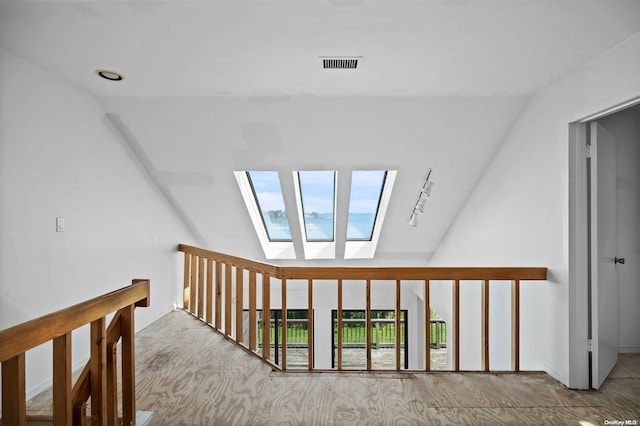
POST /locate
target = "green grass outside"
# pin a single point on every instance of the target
(352, 334)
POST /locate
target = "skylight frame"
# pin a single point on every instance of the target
(314, 249)
(271, 249)
(375, 218)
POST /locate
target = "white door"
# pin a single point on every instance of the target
(604, 280)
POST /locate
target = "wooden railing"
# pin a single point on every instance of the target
(207, 297)
(99, 377)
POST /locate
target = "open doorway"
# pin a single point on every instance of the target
(605, 235)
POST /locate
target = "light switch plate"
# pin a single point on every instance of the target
(59, 224)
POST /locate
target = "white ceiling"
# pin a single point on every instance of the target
(216, 86)
(253, 48)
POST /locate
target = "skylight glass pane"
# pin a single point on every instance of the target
(366, 191)
(317, 190)
(268, 195)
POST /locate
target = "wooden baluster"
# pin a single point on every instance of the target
(14, 404)
(209, 317)
(515, 325)
(128, 365)
(367, 326)
(201, 295)
(284, 324)
(218, 324)
(80, 414)
(81, 392)
(339, 324)
(112, 383)
(398, 314)
(310, 323)
(62, 413)
(192, 284)
(427, 326)
(227, 300)
(456, 325)
(98, 372)
(485, 325)
(187, 277)
(239, 304)
(266, 316)
(253, 335)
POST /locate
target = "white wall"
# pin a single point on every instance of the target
(625, 127)
(518, 212)
(59, 158)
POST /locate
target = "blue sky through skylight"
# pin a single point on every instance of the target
(317, 189)
(366, 190)
(268, 194)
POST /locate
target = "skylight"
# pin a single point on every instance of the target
(268, 194)
(370, 196)
(262, 194)
(317, 189)
(364, 202)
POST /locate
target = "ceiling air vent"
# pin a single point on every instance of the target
(340, 63)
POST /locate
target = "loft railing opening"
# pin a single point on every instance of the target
(98, 380)
(234, 296)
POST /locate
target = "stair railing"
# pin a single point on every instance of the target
(98, 380)
(210, 297)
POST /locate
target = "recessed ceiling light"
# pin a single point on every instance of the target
(110, 75)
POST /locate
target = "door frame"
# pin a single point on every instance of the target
(579, 251)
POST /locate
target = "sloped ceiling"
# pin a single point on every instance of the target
(217, 86)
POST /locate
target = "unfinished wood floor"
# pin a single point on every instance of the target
(189, 375)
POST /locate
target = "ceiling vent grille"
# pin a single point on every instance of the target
(340, 63)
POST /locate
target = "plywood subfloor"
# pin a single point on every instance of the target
(189, 375)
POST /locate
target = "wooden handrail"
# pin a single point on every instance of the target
(22, 337)
(251, 265)
(372, 273)
(98, 379)
(428, 275)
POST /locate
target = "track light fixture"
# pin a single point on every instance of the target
(425, 193)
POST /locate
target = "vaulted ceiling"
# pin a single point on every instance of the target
(216, 86)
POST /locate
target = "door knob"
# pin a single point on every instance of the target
(618, 260)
